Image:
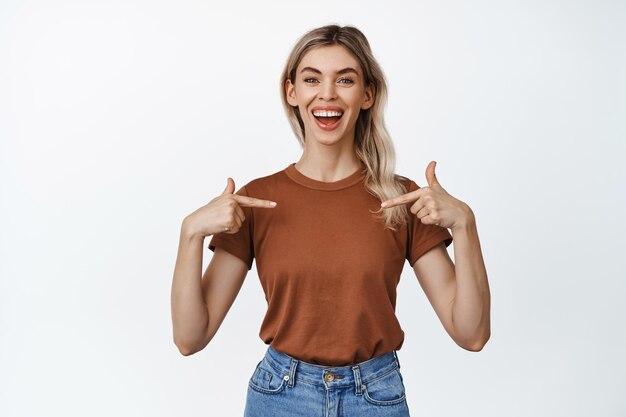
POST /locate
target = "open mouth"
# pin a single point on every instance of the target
(328, 120)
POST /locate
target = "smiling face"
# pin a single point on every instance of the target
(329, 91)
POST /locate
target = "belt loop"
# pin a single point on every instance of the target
(292, 372)
(357, 379)
(395, 355)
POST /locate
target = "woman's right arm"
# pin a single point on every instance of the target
(190, 316)
(200, 303)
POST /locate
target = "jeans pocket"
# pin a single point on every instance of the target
(266, 379)
(386, 390)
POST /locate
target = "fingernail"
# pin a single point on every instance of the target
(272, 203)
(383, 204)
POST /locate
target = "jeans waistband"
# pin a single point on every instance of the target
(332, 376)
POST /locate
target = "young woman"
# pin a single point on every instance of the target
(330, 235)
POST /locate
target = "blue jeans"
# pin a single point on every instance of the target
(283, 386)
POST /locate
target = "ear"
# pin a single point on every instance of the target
(369, 97)
(290, 93)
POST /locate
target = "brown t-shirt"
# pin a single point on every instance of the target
(329, 270)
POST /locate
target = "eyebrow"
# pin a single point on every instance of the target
(341, 71)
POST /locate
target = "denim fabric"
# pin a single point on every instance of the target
(283, 386)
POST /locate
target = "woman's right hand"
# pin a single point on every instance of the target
(223, 214)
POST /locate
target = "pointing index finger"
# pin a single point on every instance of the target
(402, 199)
(245, 201)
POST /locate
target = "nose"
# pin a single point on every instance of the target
(327, 92)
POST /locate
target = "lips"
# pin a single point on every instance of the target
(327, 108)
(328, 123)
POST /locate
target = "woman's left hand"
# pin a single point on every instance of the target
(433, 204)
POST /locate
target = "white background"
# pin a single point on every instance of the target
(119, 118)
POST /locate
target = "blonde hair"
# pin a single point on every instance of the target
(372, 141)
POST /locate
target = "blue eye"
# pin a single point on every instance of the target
(349, 81)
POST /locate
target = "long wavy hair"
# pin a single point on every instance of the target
(372, 141)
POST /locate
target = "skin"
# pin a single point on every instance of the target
(200, 303)
(460, 298)
(329, 155)
(458, 293)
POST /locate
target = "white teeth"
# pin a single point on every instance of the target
(324, 113)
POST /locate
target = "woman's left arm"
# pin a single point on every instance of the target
(458, 293)
(471, 308)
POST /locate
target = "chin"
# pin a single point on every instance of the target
(327, 138)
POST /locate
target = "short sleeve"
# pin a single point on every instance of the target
(239, 244)
(423, 237)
